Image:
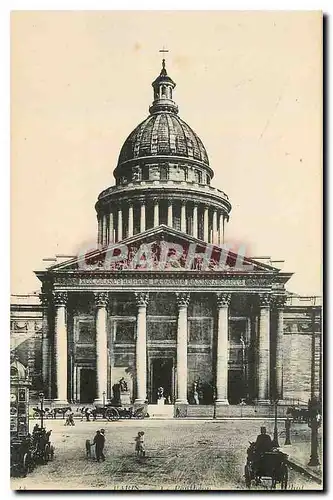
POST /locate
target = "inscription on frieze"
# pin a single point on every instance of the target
(162, 281)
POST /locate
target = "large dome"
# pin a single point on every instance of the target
(163, 134)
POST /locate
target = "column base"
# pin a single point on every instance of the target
(221, 402)
(181, 402)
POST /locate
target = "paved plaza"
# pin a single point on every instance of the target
(180, 455)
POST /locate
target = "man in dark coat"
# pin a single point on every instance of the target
(263, 442)
(99, 441)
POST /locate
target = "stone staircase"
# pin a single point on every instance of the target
(161, 411)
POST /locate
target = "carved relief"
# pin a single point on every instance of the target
(223, 299)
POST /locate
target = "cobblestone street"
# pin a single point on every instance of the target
(180, 454)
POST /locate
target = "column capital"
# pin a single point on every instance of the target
(141, 298)
(264, 299)
(278, 301)
(45, 299)
(60, 298)
(101, 299)
(223, 299)
(183, 299)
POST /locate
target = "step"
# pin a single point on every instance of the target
(161, 411)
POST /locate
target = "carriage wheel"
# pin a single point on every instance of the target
(112, 414)
(247, 475)
(284, 477)
(139, 413)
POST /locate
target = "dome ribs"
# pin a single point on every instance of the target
(137, 142)
(163, 136)
(145, 143)
(172, 135)
(181, 148)
(154, 135)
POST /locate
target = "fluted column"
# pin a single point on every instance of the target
(183, 217)
(120, 224)
(156, 213)
(206, 226)
(101, 302)
(111, 228)
(60, 346)
(264, 349)
(141, 347)
(221, 236)
(106, 230)
(169, 222)
(45, 344)
(183, 301)
(142, 217)
(278, 304)
(195, 220)
(100, 228)
(215, 235)
(222, 358)
(130, 220)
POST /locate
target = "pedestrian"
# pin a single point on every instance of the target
(140, 444)
(87, 413)
(103, 434)
(99, 441)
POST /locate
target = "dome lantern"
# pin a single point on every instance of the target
(163, 87)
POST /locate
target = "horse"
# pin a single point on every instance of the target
(61, 411)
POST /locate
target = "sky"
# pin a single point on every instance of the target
(248, 83)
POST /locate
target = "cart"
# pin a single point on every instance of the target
(114, 413)
(269, 466)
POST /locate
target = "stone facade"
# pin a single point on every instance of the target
(160, 301)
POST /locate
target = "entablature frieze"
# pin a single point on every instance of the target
(160, 281)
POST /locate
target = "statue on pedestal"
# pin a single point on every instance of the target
(123, 385)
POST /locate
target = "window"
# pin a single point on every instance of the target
(197, 176)
(145, 173)
(164, 172)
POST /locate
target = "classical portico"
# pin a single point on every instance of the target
(214, 326)
(161, 302)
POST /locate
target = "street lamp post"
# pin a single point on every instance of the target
(314, 424)
(104, 394)
(41, 397)
(275, 435)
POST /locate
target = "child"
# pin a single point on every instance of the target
(140, 444)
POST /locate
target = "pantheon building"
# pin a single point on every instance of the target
(161, 301)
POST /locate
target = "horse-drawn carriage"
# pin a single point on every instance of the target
(112, 413)
(51, 412)
(30, 451)
(298, 414)
(268, 466)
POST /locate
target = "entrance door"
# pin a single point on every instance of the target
(87, 385)
(161, 376)
(236, 387)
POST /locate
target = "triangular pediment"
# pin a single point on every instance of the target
(163, 246)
